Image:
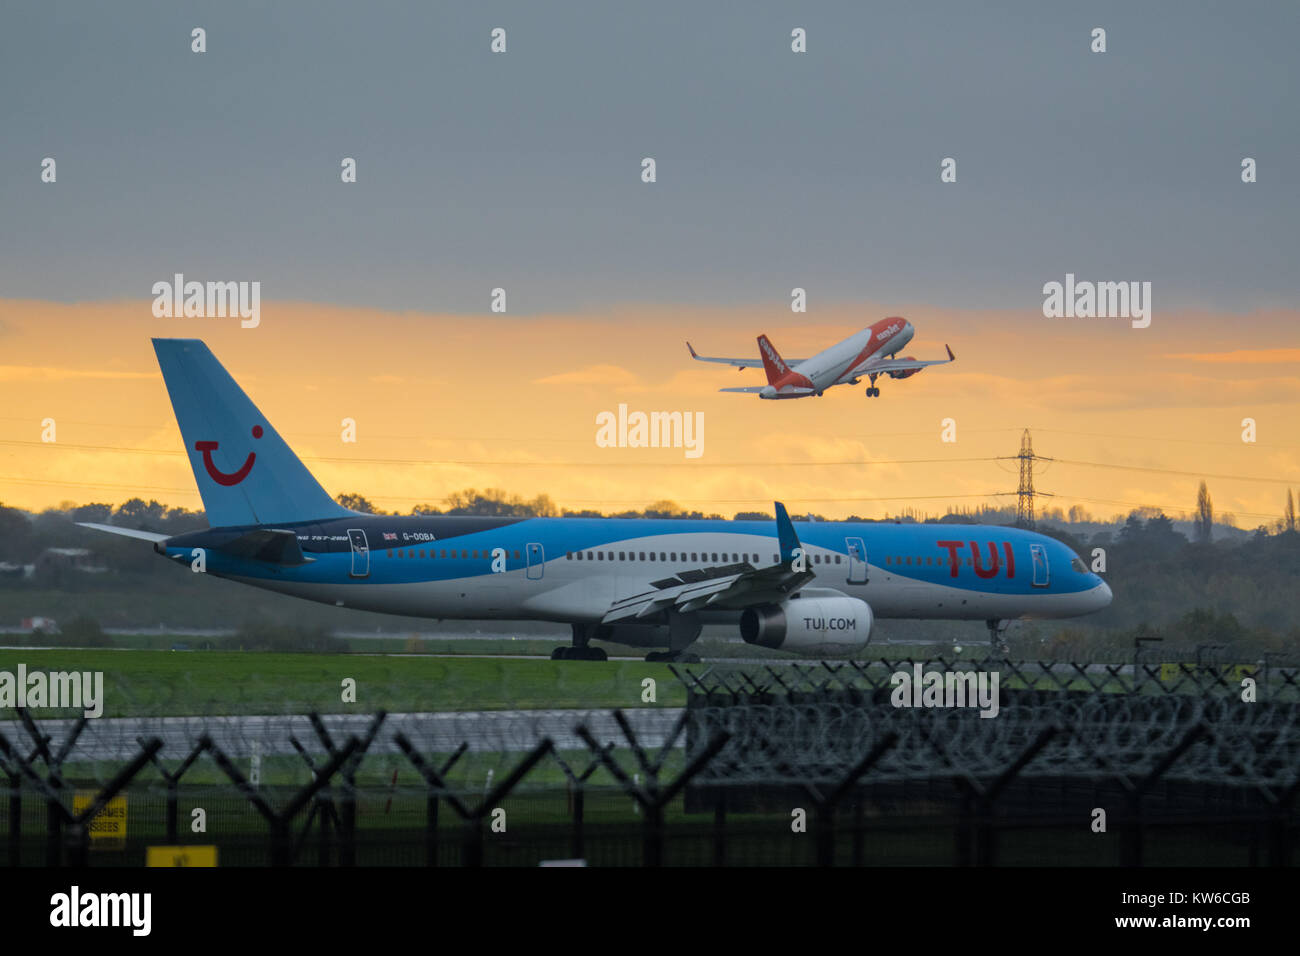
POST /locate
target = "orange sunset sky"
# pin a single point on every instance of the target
(448, 402)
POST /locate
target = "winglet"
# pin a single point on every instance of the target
(694, 355)
(785, 534)
(951, 357)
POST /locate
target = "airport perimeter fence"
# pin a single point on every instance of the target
(1106, 764)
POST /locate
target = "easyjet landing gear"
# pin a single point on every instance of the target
(872, 391)
(996, 639)
(581, 649)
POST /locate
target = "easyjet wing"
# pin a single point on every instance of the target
(738, 362)
(900, 365)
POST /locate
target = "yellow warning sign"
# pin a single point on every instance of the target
(108, 826)
(1231, 673)
(181, 856)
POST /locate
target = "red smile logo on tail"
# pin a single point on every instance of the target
(215, 473)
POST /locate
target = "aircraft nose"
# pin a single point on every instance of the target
(1103, 595)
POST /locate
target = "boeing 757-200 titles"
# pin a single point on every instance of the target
(867, 354)
(643, 582)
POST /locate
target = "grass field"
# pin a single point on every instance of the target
(183, 683)
(174, 683)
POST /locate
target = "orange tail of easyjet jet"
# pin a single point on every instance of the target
(773, 364)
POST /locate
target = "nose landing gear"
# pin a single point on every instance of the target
(996, 639)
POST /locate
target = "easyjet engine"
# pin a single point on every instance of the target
(816, 626)
(904, 373)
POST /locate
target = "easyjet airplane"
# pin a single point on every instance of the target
(648, 583)
(866, 354)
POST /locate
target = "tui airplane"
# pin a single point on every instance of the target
(642, 582)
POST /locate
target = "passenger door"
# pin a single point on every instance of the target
(535, 555)
(360, 553)
(857, 560)
(1038, 558)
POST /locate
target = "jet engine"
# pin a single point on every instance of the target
(904, 373)
(816, 626)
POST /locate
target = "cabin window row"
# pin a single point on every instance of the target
(437, 553)
(697, 556)
(474, 553)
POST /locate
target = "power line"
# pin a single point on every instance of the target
(32, 419)
(678, 464)
(95, 484)
(521, 463)
(1161, 509)
(1150, 438)
(1170, 471)
(423, 498)
(631, 501)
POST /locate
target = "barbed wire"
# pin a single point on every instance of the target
(785, 723)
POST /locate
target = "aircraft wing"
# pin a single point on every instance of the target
(901, 365)
(744, 388)
(738, 362)
(725, 587)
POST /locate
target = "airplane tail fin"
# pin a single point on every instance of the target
(773, 364)
(245, 472)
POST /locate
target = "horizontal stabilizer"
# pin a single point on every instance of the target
(125, 532)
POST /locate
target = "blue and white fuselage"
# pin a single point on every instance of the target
(574, 570)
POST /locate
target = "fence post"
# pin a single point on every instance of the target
(1133, 847)
(720, 828)
(472, 846)
(650, 798)
(431, 829)
(279, 823)
(577, 787)
(172, 796)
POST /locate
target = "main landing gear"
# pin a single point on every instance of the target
(672, 657)
(581, 649)
(872, 391)
(683, 629)
(996, 631)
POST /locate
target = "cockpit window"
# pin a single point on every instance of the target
(1078, 565)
